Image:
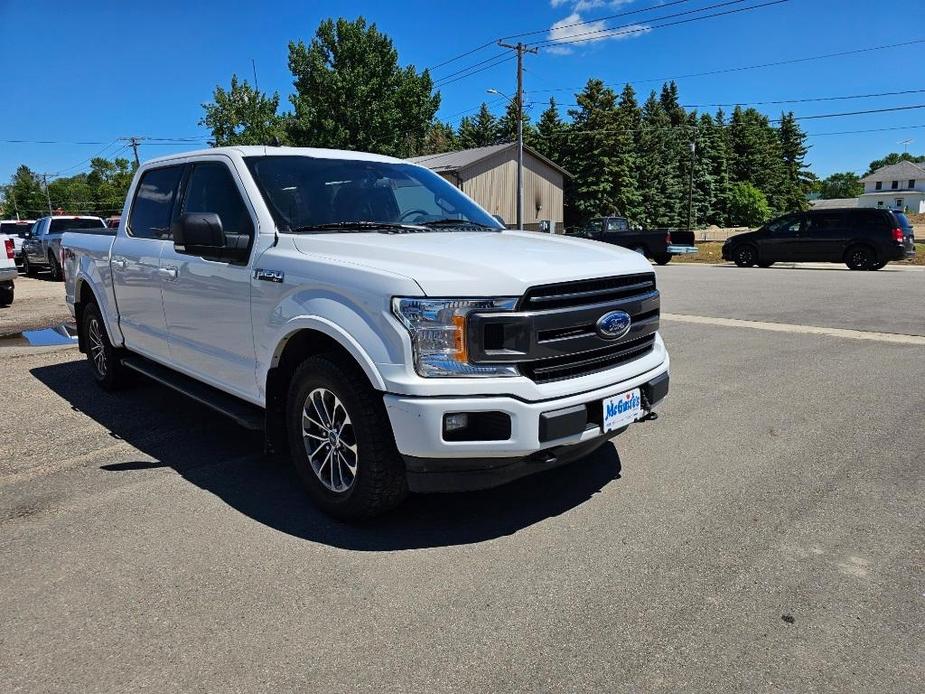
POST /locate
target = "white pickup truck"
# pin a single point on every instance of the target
(370, 317)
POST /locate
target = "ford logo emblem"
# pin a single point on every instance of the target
(613, 325)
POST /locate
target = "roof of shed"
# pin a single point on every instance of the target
(464, 158)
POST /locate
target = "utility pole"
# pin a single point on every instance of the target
(13, 198)
(47, 196)
(905, 144)
(690, 185)
(134, 142)
(521, 49)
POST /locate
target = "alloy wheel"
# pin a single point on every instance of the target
(330, 440)
(96, 346)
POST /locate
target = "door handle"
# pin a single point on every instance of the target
(169, 273)
(118, 263)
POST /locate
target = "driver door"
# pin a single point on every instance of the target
(783, 239)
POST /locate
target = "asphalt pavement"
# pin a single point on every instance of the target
(764, 534)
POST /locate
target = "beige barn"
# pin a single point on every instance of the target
(489, 176)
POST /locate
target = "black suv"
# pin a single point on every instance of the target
(862, 238)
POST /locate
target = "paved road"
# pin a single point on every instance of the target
(764, 534)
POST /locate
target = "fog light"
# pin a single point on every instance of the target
(455, 422)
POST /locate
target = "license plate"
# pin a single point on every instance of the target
(622, 409)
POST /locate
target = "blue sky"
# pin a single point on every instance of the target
(95, 71)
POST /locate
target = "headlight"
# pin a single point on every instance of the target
(438, 335)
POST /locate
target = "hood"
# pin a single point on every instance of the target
(477, 263)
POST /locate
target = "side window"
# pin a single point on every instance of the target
(785, 226)
(211, 188)
(153, 203)
(617, 224)
(825, 222)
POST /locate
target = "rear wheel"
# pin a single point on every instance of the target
(340, 440)
(54, 268)
(663, 258)
(104, 359)
(745, 256)
(6, 294)
(861, 258)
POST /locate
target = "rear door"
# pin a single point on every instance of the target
(207, 300)
(136, 262)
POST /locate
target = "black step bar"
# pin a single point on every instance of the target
(245, 414)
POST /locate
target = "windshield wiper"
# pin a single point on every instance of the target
(357, 226)
(455, 223)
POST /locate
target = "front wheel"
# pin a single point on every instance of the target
(104, 359)
(663, 258)
(745, 256)
(6, 294)
(341, 442)
(54, 268)
(27, 268)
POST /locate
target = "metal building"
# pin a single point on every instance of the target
(489, 176)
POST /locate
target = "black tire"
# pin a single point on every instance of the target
(860, 258)
(54, 268)
(27, 268)
(765, 263)
(378, 481)
(662, 258)
(745, 256)
(6, 295)
(104, 359)
(880, 265)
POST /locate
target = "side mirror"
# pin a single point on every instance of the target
(199, 231)
(500, 219)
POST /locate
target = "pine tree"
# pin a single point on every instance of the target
(627, 198)
(590, 154)
(793, 149)
(659, 179)
(550, 133)
(440, 138)
(719, 168)
(756, 155)
(480, 131)
(507, 125)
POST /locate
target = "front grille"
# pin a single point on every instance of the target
(554, 332)
(585, 363)
(584, 292)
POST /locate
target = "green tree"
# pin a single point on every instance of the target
(351, 93)
(660, 184)
(480, 131)
(748, 206)
(628, 119)
(440, 138)
(590, 154)
(507, 125)
(550, 133)
(243, 115)
(25, 195)
(756, 155)
(846, 184)
(893, 158)
(714, 146)
(795, 182)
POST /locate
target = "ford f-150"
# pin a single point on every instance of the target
(370, 318)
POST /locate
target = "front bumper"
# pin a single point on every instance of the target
(543, 434)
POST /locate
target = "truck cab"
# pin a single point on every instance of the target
(658, 244)
(370, 317)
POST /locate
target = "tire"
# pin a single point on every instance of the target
(765, 263)
(322, 387)
(880, 265)
(27, 268)
(54, 268)
(745, 256)
(860, 258)
(104, 359)
(662, 258)
(6, 295)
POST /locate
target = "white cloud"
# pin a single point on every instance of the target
(564, 32)
(580, 5)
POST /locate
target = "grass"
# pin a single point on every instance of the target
(711, 252)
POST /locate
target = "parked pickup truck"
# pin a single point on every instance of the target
(8, 271)
(658, 244)
(16, 229)
(370, 317)
(41, 246)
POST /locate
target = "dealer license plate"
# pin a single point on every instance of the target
(622, 409)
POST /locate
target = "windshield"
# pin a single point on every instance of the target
(305, 193)
(65, 223)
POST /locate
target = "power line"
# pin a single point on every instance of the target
(806, 100)
(647, 28)
(475, 72)
(868, 130)
(742, 68)
(852, 113)
(562, 26)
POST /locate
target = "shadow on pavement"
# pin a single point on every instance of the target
(228, 461)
